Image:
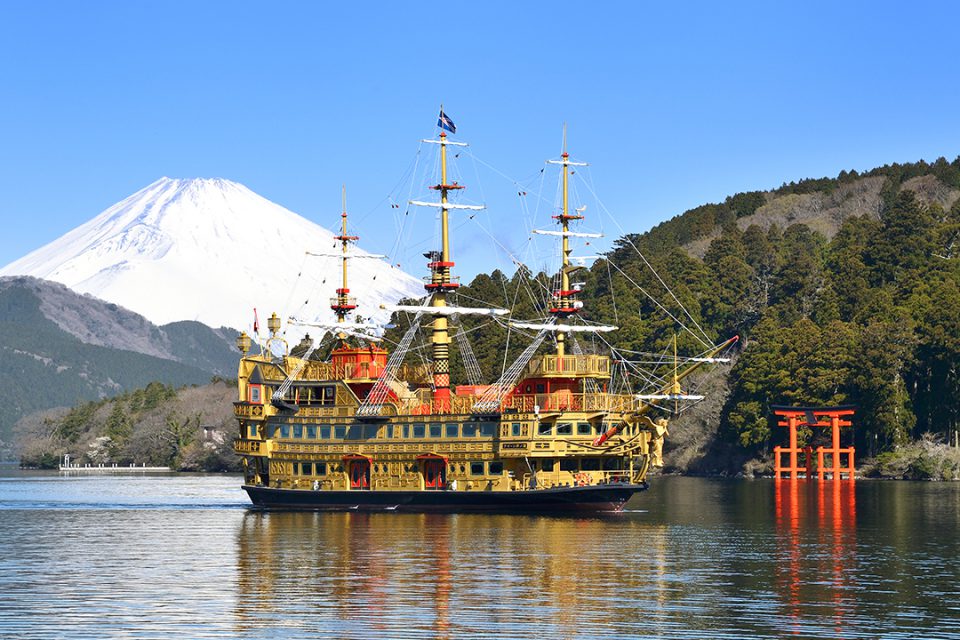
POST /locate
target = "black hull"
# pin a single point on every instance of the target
(590, 499)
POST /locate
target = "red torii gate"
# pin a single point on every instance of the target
(826, 417)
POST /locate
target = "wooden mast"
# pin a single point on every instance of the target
(565, 302)
(343, 303)
(441, 283)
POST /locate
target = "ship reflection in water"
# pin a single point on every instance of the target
(437, 576)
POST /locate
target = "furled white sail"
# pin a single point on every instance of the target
(446, 311)
(565, 328)
(570, 234)
(448, 205)
(338, 254)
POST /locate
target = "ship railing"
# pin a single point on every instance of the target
(439, 406)
(530, 403)
(590, 366)
(247, 410)
(569, 401)
(320, 371)
(242, 445)
(548, 479)
(350, 301)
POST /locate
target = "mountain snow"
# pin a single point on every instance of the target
(212, 250)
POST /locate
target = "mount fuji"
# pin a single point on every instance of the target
(211, 250)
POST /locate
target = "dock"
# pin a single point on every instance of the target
(69, 467)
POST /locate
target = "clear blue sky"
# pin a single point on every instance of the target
(674, 104)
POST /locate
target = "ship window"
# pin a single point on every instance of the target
(284, 431)
(311, 431)
(529, 388)
(487, 429)
(568, 464)
(547, 464)
(452, 430)
(255, 394)
(515, 429)
(355, 432)
(419, 430)
(298, 431)
(469, 429)
(406, 431)
(252, 429)
(611, 464)
(328, 395)
(325, 432)
(590, 464)
(321, 468)
(389, 433)
(496, 468)
(565, 429)
(435, 430)
(541, 388)
(544, 429)
(584, 429)
(340, 431)
(306, 468)
(476, 468)
(462, 469)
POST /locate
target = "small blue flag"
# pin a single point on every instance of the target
(446, 123)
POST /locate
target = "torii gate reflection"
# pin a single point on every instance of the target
(816, 526)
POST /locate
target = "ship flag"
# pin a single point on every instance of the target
(444, 122)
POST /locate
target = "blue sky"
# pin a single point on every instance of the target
(673, 104)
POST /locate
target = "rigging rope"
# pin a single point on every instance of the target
(474, 373)
(373, 403)
(661, 307)
(490, 401)
(626, 237)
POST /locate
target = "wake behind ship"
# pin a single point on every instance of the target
(366, 430)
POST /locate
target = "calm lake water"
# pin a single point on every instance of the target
(164, 556)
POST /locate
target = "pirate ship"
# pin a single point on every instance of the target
(363, 430)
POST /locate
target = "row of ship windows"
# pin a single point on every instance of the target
(370, 432)
(479, 468)
(450, 430)
(321, 468)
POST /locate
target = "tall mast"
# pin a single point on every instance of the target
(440, 265)
(565, 303)
(441, 282)
(343, 303)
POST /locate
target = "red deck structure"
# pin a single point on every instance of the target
(829, 459)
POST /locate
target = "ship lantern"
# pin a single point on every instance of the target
(273, 323)
(243, 343)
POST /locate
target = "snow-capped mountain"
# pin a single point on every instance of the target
(211, 250)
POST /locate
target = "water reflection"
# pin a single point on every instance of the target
(445, 576)
(182, 557)
(828, 509)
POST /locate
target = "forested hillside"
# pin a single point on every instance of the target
(189, 429)
(843, 290)
(59, 348)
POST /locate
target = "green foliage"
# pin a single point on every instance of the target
(155, 425)
(924, 459)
